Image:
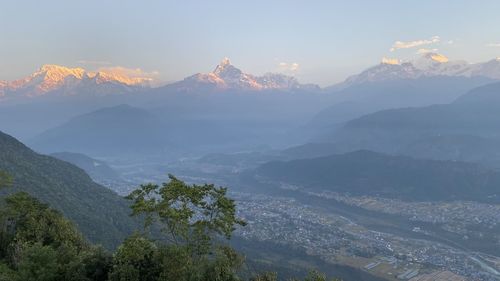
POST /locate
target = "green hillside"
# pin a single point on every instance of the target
(100, 214)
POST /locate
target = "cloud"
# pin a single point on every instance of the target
(390, 61)
(129, 76)
(412, 44)
(493, 45)
(425, 51)
(129, 72)
(288, 67)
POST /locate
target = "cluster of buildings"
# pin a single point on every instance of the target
(331, 236)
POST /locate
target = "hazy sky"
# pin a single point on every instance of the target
(318, 41)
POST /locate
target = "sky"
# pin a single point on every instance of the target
(319, 42)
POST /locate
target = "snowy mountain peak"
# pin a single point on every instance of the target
(226, 70)
(224, 64)
(110, 76)
(227, 77)
(225, 61)
(430, 62)
(428, 65)
(436, 57)
(51, 77)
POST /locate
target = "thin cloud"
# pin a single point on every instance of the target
(130, 72)
(288, 67)
(493, 45)
(412, 44)
(390, 61)
(425, 51)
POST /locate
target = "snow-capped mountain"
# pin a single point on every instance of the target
(429, 64)
(227, 77)
(66, 81)
(385, 71)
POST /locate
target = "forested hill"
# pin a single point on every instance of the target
(100, 214)
(370, 173)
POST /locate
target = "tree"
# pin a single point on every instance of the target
(38, 243)
(189, 215)
(223, 267)
(25, 219)
(6, 273)
(192, 218)
(135, 260)
(38, 263)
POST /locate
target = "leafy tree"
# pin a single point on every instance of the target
(93, 264)
(223, 267)
(38, 243)
(192, 218)
(189, 215)
(135, 260)
(175, 263)
(28, 220)
(6, 273)
(38, 263)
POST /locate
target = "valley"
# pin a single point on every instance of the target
(380, 236)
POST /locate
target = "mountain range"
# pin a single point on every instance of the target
(64, 81)
(428, 65)
(55, 80)
(181, 117)
(463, 130)
(226, 76)
(69, 81)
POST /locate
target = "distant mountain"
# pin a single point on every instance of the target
(474, 113)
(370, 173)
(361, 99)
(428, 65)
(466, 129)
(101, 215)
(97, 170)
(118, 129)
(430, 79)
(227, 77)
(60, 80)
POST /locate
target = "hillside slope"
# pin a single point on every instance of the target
(101, 215)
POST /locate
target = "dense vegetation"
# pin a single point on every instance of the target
(38, 243)
(370, 173)
(100, 214)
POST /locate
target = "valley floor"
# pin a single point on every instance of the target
(387, 238)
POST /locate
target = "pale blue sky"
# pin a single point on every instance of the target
(327, 39)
